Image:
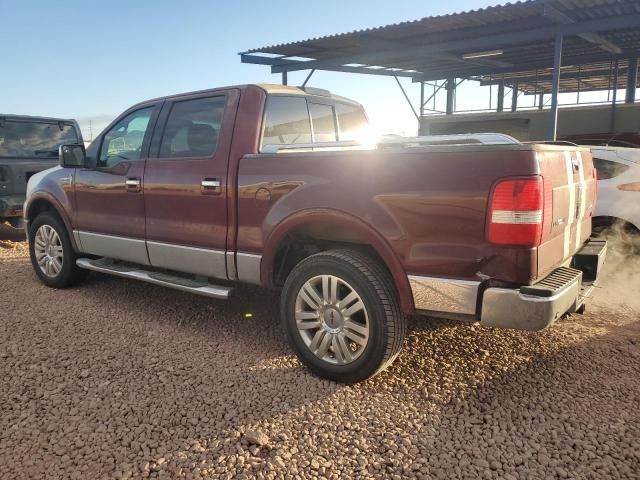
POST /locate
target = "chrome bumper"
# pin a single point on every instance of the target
(536, 307)
(507, 308)
(526, 308)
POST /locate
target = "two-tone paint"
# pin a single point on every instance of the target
(422, 210)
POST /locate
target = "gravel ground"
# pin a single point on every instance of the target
(118, 379)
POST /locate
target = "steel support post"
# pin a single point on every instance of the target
(514, 97)
(500, 96)
(421, 108)
(632, 80)
(284, 78)
(451, 88)
(555, 87)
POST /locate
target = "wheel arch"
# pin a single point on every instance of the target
(328, 228)
(43, 202)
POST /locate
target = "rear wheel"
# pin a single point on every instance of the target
(342, 315)
(52, 255)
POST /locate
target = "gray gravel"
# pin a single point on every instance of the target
(117, 379)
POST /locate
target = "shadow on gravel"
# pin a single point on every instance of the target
(149, 375)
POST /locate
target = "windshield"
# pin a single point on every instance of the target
(34, 139)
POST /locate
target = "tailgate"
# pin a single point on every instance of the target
(569, 180)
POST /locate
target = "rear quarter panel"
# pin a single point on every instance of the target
(429, 205)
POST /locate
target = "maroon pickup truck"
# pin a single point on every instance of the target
(280, 187)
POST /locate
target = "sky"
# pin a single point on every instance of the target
(92, 60)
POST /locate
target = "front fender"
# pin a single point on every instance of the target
(55, 187)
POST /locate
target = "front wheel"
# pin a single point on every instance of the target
(342, 316)
(52, 255)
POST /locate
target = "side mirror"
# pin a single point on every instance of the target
(72, 156)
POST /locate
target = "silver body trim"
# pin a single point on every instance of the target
(78, 240)
(198, 261)
(248, 267)
(231, 266)
(111, 246)
(444, 294)
(213, 291)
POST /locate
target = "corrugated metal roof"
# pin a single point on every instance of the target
(433, 24)
(400, 48)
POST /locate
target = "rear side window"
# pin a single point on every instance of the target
(192, 128)
(608, 169)
(323, 121)
(286, 121)
(352, 122)
(34, 139)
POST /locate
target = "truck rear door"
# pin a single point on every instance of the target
(569, 178)
(185, 190)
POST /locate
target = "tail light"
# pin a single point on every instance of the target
(629, 187)
(516, 212)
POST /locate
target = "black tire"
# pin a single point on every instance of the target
(374, 285)
(70, 274)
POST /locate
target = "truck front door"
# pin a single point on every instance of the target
(185, 183)
(109, 202)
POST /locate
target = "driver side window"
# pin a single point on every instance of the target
(124, 141)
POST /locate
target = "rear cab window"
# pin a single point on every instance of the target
(352, 122)
(286, 121)
(323, 122)
(294, 120)
(35, 139)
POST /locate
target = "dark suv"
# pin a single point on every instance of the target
(28, 145)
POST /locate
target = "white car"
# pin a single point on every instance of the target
(618, 203)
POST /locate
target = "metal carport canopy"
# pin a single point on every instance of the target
(499, 40)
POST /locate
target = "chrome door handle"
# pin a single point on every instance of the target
(210, 186)
(132, 184)
(210, 183)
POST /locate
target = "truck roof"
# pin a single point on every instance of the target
(270, 88)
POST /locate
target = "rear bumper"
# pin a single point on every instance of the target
(534, 308)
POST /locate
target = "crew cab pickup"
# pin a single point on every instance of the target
(28, 145)
(283, 187)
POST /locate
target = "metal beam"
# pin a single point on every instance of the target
(563, 19)
(478, 43)
(555, 87)
(285, 80)
(407, 99)
(271, 61)
(527, 66)
(514, 97)
(632, 80)
(304, 84)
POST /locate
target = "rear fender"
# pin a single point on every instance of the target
(361, 232)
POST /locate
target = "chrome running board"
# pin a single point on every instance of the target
(137, 272)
